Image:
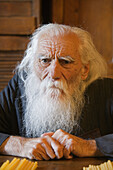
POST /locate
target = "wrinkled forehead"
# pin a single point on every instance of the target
(64, 44)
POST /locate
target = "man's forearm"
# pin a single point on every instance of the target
(32, 148)
(12, 146)
(90, 149)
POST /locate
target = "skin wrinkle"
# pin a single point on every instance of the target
(67, 58)
(56, 47)
(54, 70)
(47, 109)
(73, 44)
(56, 73)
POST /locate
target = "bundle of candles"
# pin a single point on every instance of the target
(104, 166)
(17, 164)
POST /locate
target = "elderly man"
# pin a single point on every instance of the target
(57, 99)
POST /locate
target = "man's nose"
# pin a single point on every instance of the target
(55, 70)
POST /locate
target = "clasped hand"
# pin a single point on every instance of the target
(57, 145)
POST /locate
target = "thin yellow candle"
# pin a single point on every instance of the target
(34, 166)
(22, 164)
(13, 165)
(7, 168)
(4, 165)
(29, 165)
(109, 163)
(32, 163)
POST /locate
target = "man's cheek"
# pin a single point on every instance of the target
(41, 73)
(38, 70)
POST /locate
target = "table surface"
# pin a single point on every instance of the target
(73, 164)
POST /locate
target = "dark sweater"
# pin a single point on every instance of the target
(96, 119)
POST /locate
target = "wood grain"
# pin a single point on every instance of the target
(57, 11)
(17, 25)
(18, 19)
(96, 17)
(36, 11)
(13, 43)
(15, 9)
(71, 15)
(15, 0)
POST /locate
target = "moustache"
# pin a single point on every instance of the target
(59, 85)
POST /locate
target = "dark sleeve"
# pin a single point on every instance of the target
(8, 119)
(98, 115)
(105, 144)
(3, 137)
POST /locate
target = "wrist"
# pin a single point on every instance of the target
(12, 146)
(93, 151)
(2, 146)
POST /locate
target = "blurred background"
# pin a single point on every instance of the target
(19, 18)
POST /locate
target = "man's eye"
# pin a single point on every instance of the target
(45, 61)
(65, 61)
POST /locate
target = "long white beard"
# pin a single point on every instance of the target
(51, 106)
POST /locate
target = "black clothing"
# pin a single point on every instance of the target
(96, 119)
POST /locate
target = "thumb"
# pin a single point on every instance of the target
(47, 134)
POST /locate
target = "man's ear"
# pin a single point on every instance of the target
(84, 71)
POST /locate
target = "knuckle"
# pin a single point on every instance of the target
(71, 141)
(67, 137)
(43, 139)
(70, 144)
(58, 133)
(46, 138)
(60, 130)
(31, 152)
(59, 148)
(37, 146)
(63, 140)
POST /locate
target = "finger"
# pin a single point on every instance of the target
(49, 150)
(61, 136)
(42, 152)
(40, 155)
(58, 149)
(66, 140)
(68, 149)
(37, 155)
(32, 154)
(59, 133)
(44, 147)
(67, 154)
(56, 146)
(47, 134)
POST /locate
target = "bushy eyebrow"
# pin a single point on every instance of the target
(40, 56)
(68, 58)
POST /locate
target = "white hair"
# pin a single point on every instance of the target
(88, 53)
(45, 113)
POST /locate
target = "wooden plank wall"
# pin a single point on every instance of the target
(18, 19)
(65, 12)
(95, 16)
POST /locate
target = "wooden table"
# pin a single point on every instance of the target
(73, 164)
